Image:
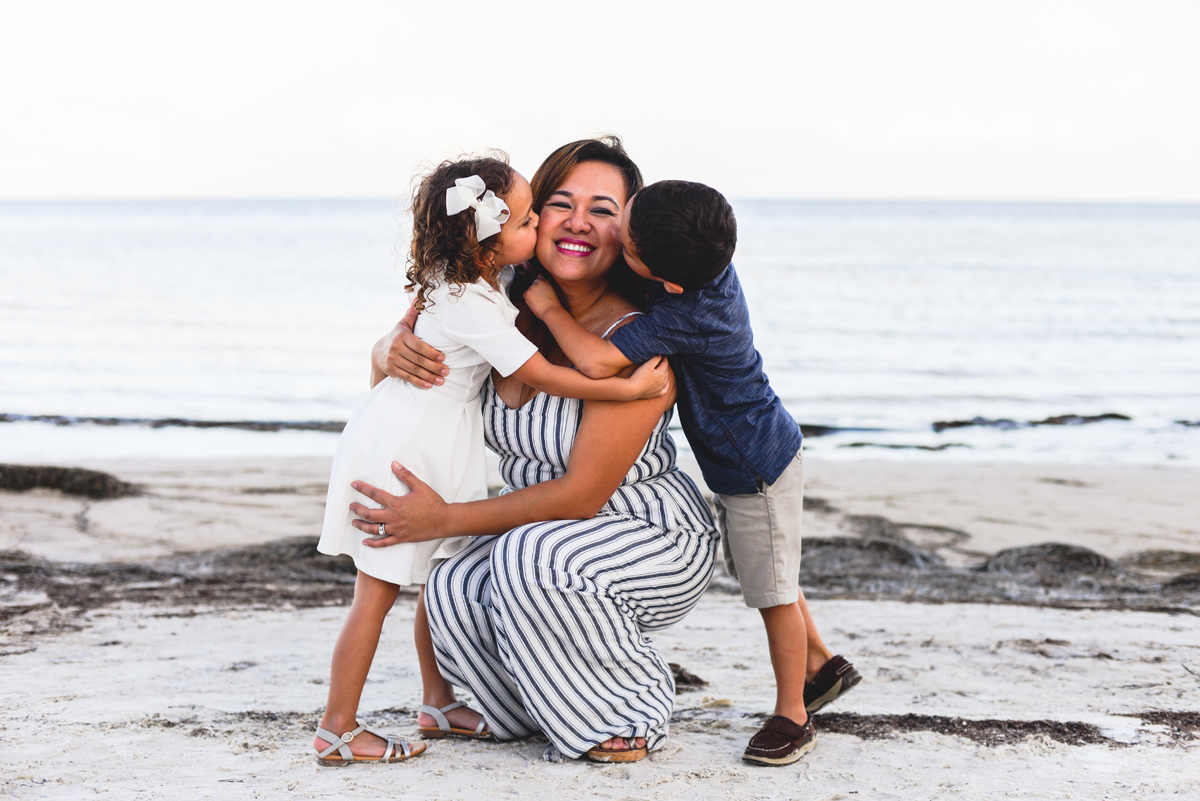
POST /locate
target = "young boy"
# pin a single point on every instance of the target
(682, 236)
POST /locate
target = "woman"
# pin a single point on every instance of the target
(546, 623)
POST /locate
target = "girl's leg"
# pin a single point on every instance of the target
(435, 690)
(352, 657)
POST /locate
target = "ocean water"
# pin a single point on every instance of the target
(877, 319)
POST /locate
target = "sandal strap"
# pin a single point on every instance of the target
(395, 745)
(339, 744)
(440, 714)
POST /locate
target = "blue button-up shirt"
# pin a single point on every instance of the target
(736, 424)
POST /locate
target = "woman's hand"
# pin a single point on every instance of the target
(652, 379)
(406, 518)
(541, 297)
(402, 354)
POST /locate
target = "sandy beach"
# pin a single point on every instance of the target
(175, 643)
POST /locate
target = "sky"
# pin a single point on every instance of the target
(861, 99)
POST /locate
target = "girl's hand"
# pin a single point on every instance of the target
(406, 518)
(652, 379)
(541, 297)
(402, 354)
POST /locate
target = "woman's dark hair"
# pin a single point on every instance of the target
(558, 165)
(555, 169)
(444, 246)
(684, 232)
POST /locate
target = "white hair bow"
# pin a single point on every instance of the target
(490, 211)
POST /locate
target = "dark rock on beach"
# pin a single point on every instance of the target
(284, 572)
(684, 678)
(817, 431)
(884, 562)
(178, 422)
(847, 556)
(1187, 584)
(897, 447)
(1006, 424)
(881, 559)
(1050, 558)
(71, 480)
(1162, 560)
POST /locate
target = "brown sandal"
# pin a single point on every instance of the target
(627, 754)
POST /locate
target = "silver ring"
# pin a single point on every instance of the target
(381, 530)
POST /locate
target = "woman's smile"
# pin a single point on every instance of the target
(574, 248)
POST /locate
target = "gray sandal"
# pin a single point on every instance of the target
(444, 729)
(398, 749)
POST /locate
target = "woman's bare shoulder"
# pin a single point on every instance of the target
(617, 313)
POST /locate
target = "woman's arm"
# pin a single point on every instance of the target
(402, 354)
(610, 437)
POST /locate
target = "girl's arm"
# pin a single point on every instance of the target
(649, 381)
(610, 437)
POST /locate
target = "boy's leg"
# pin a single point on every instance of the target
(435, 690)
(761, 537)
(828, 677)
(352, 657)
(818, 653)
(761, 540)
(787, 639)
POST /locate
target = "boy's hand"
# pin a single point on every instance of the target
(652, 379)
(541, 297)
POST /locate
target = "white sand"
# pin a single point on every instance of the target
(126, 705)
(84, 713)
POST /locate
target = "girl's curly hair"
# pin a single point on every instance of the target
(444, 247)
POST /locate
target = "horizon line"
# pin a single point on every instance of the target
(735, 199)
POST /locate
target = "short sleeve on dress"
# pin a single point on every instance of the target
(484, 320)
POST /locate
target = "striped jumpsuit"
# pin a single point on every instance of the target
(546, 624)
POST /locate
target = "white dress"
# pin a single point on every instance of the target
(436, 433)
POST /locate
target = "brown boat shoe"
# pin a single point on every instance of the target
(835, 678)
(780, 742)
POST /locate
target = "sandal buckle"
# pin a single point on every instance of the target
(347, 737)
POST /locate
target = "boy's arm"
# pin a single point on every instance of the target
(651, 380)
(592, 356)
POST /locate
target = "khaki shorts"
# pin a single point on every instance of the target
(760, 535)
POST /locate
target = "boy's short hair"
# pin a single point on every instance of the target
(683, 231)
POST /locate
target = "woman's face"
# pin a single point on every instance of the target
(579, 227)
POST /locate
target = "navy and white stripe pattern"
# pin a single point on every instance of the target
(546, 624)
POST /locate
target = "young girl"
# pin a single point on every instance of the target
(470, 218)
